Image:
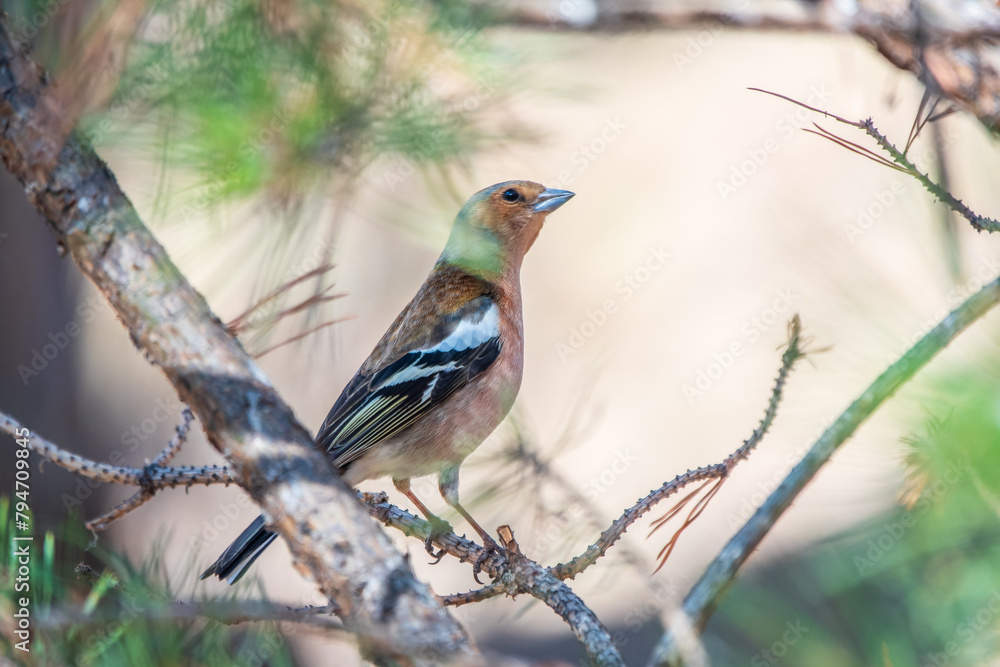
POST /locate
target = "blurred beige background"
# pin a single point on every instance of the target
(663, 134)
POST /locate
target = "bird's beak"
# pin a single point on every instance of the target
(550, 199)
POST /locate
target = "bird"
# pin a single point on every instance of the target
(444, 375)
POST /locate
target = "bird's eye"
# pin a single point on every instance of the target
(511, 195)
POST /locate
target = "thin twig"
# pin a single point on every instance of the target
(979, 223)
(902, 163)
(542, 468)
(527, 576)
(703, 598)
(311, 302)
(180, 437)
(478, 595)
(102, 522)
(152, 477)
(514, 574)
(794, 352)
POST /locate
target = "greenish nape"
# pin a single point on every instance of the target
(473, 248)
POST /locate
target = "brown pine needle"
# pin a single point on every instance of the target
(944, 114)
(238, 323)
(918, 125)
(899, 160)
(678, 506)
(312, 301)
(302, 335)
(866, 151)
(696, 512)
(854, 148)
(806, 106)
(795, 350)
(929, 117)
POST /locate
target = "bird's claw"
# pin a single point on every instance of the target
(490, 547)
(429, 548)
(438, 527)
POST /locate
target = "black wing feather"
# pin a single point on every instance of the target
(369, 410)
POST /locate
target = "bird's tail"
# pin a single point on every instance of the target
(234, 561)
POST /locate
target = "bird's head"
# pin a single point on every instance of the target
(498, 225)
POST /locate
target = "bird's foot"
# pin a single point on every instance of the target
(438, 528)
(490, 547)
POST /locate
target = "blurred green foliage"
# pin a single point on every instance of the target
(920, 586)
(281, 96)
(123, 616)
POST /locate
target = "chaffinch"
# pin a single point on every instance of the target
(446, 372)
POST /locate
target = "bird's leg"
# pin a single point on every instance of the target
(438, 525)
(448, 484)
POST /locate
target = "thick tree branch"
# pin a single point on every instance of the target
(516, 574)
(353, 563)
(703, 598)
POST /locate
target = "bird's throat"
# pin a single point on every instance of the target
(475, 250)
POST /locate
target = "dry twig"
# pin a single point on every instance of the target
(899, 161)
(703, 598)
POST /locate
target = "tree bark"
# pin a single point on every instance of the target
(327, 530)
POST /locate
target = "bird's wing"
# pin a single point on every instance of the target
(379, 404)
